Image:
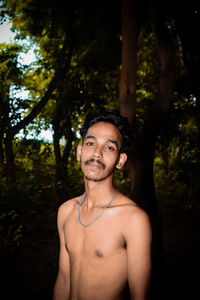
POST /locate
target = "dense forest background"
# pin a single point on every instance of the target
(140, 57)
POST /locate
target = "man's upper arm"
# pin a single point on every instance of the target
(138, 240)
(64, 256)
(62, 285)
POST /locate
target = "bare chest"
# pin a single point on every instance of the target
(103, 238)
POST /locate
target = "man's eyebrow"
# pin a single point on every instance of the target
(113, 141)
(90, 137)
(108, 140)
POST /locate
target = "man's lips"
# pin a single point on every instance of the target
(95, 163)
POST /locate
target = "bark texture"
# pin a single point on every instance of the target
(141, 156)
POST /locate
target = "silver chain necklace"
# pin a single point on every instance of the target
(98, 216)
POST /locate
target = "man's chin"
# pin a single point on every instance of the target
(95, 179)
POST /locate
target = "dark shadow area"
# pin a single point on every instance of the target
(178, 277)
(30, 272)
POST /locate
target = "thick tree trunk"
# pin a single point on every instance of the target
(141, 158)
(127, 85)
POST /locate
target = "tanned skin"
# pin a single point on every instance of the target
(99, 261)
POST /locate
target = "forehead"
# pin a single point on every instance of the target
(104, 131)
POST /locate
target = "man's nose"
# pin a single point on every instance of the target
(97, 152)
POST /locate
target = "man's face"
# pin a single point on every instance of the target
(99, 154)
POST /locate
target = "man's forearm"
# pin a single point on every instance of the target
(61, 289)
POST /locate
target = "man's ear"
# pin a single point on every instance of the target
(122, 160)
(78, 152)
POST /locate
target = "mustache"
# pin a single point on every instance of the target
(96, 161)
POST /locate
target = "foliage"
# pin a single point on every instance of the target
(10, 229)
(89, 81)
(11, 81)
(177, 162)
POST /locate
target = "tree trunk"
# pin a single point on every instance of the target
(127, 85)
(7, 139)
(61, 160)
(68, 146)
(141, 157)
(57, 151)
(1, 157)
(10, 164)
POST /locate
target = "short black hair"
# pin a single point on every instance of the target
(113, 117)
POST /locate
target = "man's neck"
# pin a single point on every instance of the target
(98, 193)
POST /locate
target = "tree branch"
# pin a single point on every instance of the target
(57, 76)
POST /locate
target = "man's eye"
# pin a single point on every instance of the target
(89, 143)
(110, 148)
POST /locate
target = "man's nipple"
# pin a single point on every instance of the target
(98, 253)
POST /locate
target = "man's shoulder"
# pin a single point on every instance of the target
(128, 203)
(132, 211)
(68, 206)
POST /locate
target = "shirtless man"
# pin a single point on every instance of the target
(105, 238)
